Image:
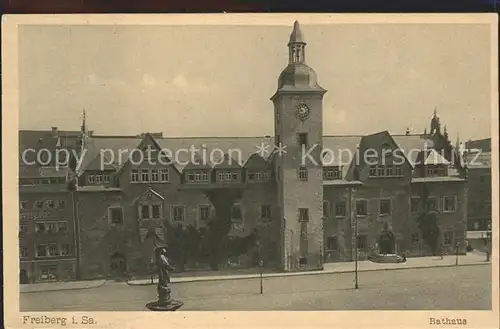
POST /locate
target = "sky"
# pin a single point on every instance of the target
(217, 80)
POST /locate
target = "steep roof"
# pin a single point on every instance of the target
(341, 149)
(256, 162)
(42, 140)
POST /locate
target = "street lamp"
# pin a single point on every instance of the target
(261, 265)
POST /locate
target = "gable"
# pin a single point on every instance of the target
(149, 196)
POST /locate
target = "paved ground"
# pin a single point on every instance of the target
(463, 287)
(338, 267)
(52, 286)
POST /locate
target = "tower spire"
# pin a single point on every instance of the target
(296, 45)
(84, 118)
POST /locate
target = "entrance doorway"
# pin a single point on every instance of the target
(23, 277)
(386, 243)
(118, 264)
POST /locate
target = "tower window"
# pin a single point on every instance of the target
(302, 138)
(303, 214)
(303, 173)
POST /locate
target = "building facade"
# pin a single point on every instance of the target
(46, 210)
(304, 198)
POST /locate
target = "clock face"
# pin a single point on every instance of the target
(302, 111)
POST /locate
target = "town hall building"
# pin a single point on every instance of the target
(303, 210)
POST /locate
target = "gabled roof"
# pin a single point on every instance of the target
(434, 158)
(151, 191)
(37, 140)
(342, 148)
(200, 162)
(256, 162)
(227, 162)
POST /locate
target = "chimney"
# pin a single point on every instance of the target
(54, 132)
(90, 133)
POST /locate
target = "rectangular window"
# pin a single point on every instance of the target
(265, 212)
(165, 175)
(362, 241)
(98, 179)
(62, 227)
(326, 209)
(155, 175)
(62, 204)
(145, 211)
(40, 227)
(448, 238)
(156, 211)
(178, 213)
(302, 139)
(373, 171)
(65, 249)
(116, 216)
(236, 213)
(49, 272)
(415, 239)
(389, 171)
(23, 228)
(23, 252)
(432, 204)
(41, 250)
(303, 173)
(91, 179)
(23, 205)
(398, 171)
(449, 204)
(144, 175)
(303, 214)
(106, 179)
(51, 227)
(332, 243)
(204, 212)
(50, 204)
(385, 207)
(38, 204)
(340, 209)
(415, 204)
(380, 171)
(53, 250)
(134, 175)
(361, 208)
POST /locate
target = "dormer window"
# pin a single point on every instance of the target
(331, 173)
(196, 176)
(258, 176)
(436, 171)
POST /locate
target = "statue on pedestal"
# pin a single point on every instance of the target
(165, 301)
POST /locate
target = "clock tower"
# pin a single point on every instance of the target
(298, 125)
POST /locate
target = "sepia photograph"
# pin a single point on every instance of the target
(273, 163)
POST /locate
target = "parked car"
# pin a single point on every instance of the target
(389, 258)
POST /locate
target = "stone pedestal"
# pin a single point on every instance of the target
(165, 301)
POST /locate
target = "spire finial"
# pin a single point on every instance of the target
(435, 111)
(296, 36)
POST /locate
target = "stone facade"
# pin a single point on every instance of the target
(304, 210)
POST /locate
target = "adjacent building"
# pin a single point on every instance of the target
(46, 220)
(478, 159)
(309, 198)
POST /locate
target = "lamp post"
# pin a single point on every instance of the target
(261, 265)
(488, 242)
